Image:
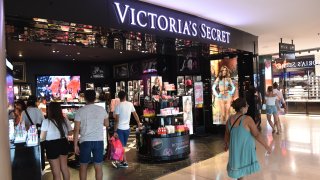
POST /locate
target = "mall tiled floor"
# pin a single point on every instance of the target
(296, 156)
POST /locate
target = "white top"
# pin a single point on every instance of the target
(35, 115)
(124, 110)
(91, 118)
(279, 95)
(271, 101)
(52, 130)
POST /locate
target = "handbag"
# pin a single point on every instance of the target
(228, 134)
(264, 107)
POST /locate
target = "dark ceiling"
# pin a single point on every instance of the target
(44, 51)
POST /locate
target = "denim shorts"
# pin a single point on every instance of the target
(271, 110)
(94, 147)
(123, 136)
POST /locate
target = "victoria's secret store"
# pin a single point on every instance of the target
(236, 48)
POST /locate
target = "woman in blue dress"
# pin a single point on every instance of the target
(240, 136)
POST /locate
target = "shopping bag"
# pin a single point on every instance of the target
(117, 149)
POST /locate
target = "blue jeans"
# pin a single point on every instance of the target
(94, 147)
(123, 136)
(271, 110)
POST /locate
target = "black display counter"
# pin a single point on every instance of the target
(163, 147)
(304, 107)
(25, 161)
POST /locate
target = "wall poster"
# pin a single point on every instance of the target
(224, 81)
(198, 94)
(187, 112)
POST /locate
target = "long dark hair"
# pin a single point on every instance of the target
(55, 116)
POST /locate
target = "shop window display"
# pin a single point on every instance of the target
(224, 81)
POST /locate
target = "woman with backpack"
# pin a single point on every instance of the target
(54, 132)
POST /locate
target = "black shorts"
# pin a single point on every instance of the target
(55, 148)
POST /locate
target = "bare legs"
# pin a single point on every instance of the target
(276, 123)
(83, 171)
(99, 173)
(59, 166)
(270, 122)
(224, 106)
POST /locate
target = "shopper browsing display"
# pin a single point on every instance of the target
(89, 122)
(54, 131)
(123, 113)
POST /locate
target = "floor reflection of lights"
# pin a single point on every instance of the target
(295, 154)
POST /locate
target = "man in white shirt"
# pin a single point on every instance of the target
(279, 97)
(122, 123)
(89, 121)
(280, 100)
(35, 115)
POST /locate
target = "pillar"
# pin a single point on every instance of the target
(5, 170)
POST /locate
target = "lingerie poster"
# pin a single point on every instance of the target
(187, 112)
(224, 84)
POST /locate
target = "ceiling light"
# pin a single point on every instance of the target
(120, 52)
(57, 51)
(73, 59)
(53, 51)
(20, 54)
(78, 53)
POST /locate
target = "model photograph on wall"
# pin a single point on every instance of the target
(187, 112)
(188, 64)
(156, 85)
(224, 81)
(120, 71)
(97, 72)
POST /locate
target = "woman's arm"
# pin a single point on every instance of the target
(256, 134)
(214, 87)
(43, 136)
(233, 88)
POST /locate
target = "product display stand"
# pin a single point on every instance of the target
(163, 147)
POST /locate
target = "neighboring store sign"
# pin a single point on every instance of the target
(162, 22)
(170, 146)
(286, 51)
(298, 63)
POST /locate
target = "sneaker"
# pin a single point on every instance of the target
(115, 164)
(123, 165)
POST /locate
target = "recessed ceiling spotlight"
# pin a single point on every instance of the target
(57, 51)
(67, 55)
(120, 52)
(53, 51)
(78, 53)
(20, 54)
(73, 59)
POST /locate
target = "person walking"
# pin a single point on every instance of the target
(122, 124)
(240, 135)
(54, 132)
(89, 122)
(280, 102)
(271, 109)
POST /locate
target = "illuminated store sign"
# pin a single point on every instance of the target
(301, 63)
(168, 23)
